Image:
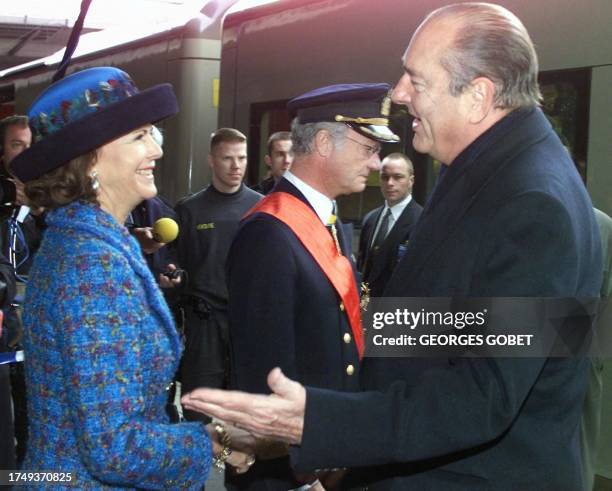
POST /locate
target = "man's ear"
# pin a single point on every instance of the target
(210, 161)
(323, 143)
(481, 99)
(268, 160)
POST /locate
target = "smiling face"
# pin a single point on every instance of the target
(125, 171)
(440, 119)
(228, 161)
(351, 162)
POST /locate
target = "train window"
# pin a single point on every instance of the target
(566, 95)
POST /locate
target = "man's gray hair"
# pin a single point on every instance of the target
(491, 42)
(303, 135)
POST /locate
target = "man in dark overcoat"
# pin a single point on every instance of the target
(509, 217)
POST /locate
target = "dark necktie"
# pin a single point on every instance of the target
(382, 231)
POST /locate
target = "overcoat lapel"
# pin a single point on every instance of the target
(458, 189)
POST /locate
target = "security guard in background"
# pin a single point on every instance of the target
(293, 295)
(278, 159)
(208, 221)
(386, 230)
(21, 231)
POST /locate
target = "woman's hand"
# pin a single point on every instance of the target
(241, 455)
(144, 236)
(240, 461)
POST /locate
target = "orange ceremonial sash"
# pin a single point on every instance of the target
(315, 237)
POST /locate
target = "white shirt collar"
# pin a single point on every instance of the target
(323, 206)
(398, 208)
(396, 211)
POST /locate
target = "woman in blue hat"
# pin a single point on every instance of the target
(101, 345)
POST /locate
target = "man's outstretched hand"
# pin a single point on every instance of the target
(279, 416)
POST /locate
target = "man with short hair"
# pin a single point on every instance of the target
(278, 159)
(15, 137)
(294, 299)
(509, 217)
(20, 236)
(386, 230)
(208, 221)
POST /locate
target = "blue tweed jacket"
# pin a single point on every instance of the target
(101, 348)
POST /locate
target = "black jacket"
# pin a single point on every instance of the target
(7, 282)
(376, 266)
(510, 218)
(284, 312)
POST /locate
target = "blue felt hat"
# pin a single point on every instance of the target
(364, 107)
(85, 111)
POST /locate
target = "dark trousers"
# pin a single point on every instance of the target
(7, 435)
(20, 409)
(205, 361)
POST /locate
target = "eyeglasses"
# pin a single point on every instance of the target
(370, 149)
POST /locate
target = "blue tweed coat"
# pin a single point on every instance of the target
(101, 348)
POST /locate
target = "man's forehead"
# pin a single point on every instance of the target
(230, 145)
(394, 165)
(413, 57)
(280, 145)
(431, 37)
(18, 132)
(230, 148)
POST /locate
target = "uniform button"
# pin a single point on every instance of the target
(350, 370)
(341, 306)
(169, 386)
(347, 338)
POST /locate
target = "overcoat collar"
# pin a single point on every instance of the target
(455, 193)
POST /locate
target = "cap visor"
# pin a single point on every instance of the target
(380, 133)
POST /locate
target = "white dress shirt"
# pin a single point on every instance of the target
(323, 206)
(396, 211)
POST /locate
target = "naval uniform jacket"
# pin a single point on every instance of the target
(512, 219)
(383, 261)
(284, 312)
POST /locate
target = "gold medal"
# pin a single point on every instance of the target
(365, 296)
